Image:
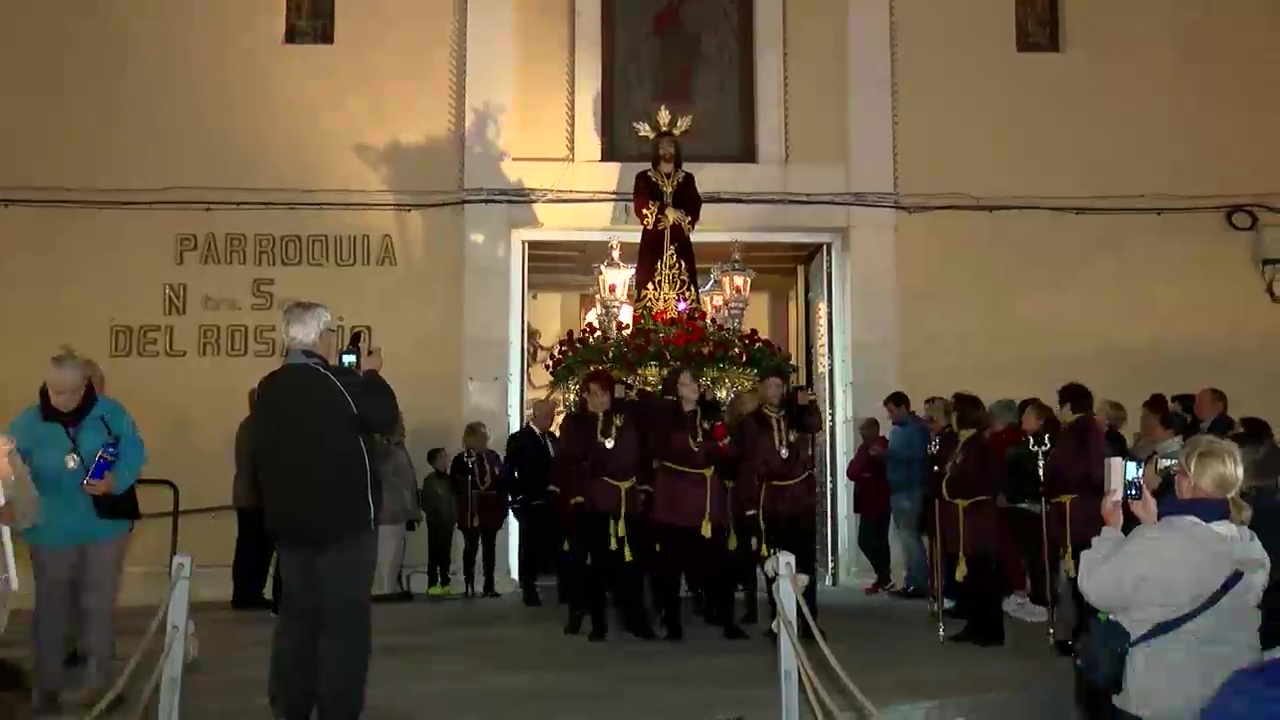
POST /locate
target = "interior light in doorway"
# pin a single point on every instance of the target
(308, 22)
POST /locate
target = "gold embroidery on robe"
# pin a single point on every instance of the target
(670, 281)
(650, 215)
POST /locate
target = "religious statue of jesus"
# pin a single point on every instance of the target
(667, 202)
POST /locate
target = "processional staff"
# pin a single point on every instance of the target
(934, 447)
(1041, 449)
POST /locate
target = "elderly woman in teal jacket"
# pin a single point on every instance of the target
(76, 555)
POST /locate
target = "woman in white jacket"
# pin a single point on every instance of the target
(1180, 554)
(17, 512)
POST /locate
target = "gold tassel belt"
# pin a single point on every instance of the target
(764, 548)
(962, 567)
(706, 474)
(618, 528)
(1068, 556)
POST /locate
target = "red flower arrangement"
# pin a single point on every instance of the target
(641, 354)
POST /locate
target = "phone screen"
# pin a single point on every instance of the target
(1132, 480)
(349, 359)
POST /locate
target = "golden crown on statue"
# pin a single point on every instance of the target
(645, 130)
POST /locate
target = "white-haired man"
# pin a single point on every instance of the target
(319, 493)
(526, 473)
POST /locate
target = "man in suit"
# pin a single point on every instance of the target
(526, 474)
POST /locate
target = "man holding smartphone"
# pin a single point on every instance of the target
(312, 426)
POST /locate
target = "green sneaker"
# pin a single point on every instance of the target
(437, 591)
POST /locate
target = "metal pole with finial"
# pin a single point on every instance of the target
(1041, 449)
(935, 547)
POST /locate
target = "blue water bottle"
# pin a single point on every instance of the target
(104, 460)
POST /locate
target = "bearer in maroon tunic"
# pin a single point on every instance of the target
(1074, 485)
(942, 445)
(482, 505)
(690, 502)
(776, 471)
(602, 468)
(970, 520)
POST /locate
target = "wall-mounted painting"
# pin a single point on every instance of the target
(697, 57)
(308, 22)
(1036, 26)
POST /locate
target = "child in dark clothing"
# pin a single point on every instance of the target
(441, 511)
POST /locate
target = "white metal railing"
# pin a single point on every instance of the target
(795, 669)
(174, 612)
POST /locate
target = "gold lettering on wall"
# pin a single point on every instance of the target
(288, 250)
(264, 250)
(387, 252)
(183, 244)
(263, 295)
(210, 253)
(175, 299)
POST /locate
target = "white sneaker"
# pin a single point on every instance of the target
(1020, 607)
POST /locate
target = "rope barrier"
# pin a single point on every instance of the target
(814, 689)
(154, 681)
(118, 687)
(853, 689)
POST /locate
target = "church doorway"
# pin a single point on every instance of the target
(793, 302)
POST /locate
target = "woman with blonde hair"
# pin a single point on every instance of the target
(476, 475)
(1185, 586)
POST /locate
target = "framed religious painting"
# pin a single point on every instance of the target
(1036, 27)
(308, 22)
(697, 57)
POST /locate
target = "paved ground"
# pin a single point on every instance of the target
(492, 659)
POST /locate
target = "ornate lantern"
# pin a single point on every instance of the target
(735, 284)
(613, 283)
(713, 297)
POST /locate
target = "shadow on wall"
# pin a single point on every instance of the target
(433, 172)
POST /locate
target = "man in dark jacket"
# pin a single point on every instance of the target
(1211, 414)
(526, 474)
(254, 548)
(319, 490)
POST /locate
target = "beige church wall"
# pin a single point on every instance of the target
(816, 33)
(168, 96)
(536, 127)
(1148, 97)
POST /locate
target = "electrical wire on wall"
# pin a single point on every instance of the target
(332, 199)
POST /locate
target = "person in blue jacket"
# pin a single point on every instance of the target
(1252, 692)
(906, 464)
(76, 556)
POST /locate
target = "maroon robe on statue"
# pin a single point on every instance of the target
(1076, 466)
(779, 485)
(477, 490)
(969, 513)
(687, 489)
(666, 272)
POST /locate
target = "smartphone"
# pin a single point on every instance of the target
(350, 357)
(1132, 480)
(1163, 464)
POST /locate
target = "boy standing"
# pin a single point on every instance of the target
(441, 512)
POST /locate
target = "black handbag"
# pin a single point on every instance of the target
(122, 506)
(1103, 651)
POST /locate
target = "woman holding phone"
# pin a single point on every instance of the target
(76, 552)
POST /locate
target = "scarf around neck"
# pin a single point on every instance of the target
(1207, 510)
(68, 418)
